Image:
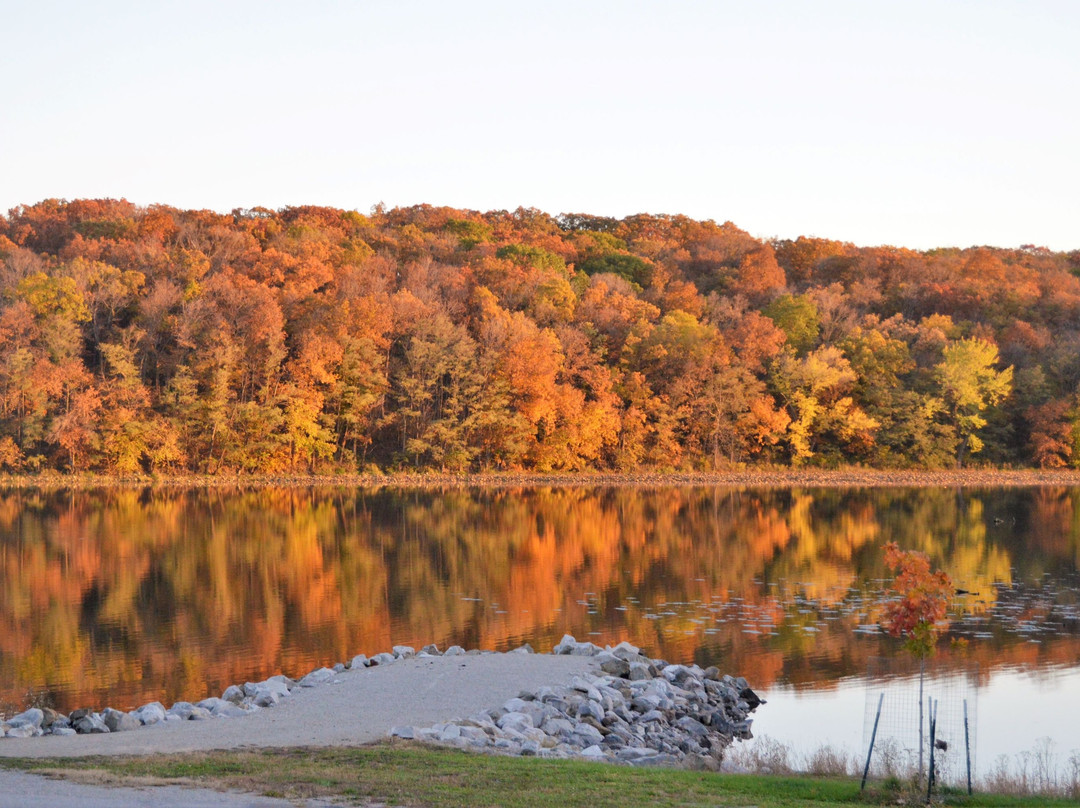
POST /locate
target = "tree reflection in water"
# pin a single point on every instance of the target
(124, 596)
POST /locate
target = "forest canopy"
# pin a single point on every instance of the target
(309, 339)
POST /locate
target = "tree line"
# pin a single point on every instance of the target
(310, 339)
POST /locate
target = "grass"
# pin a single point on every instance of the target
(405, 774)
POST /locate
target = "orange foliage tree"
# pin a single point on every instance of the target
(922, 596)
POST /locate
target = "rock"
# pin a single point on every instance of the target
(265, 697)
(616, 667)
(523, 649)
(404, 651)
(51, 716)
(55, 730)
(613, 741)
(586, 649)
(454, 650)
(646, 702)
(358, 661)
(659, 759)
(220, 708)
(639, 671)
(339, 667)
(230, 710)
(32, 717)
(279, 684)
(432, 649)
(691, 726)
(382, 659)
(91, 723)
(283, 681)
(450, 732)
(752, 699)
(742, 730)
(593, 751)
(582, 685)
(473, 733)
(118, 721)
(515, 721)
(557, 726)
(23, 731)
(233, 694)
(406, 733)
(587, 708)
(150, 713)
(319, 676)
(585, 730)
(199, 714)
(276, 686)
(182, 710)
(75, 715)
(567, 645)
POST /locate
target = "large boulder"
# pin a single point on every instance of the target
(32, 717)
(90, 724)
(119, 721)
(151, 713)
(319, 676)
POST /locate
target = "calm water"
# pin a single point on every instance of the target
(118, 597)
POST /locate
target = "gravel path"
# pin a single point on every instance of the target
(358, 707)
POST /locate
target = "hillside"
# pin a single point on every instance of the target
(312, 339)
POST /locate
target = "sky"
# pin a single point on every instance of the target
(916, 124)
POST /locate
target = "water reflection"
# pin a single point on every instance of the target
(119, 597)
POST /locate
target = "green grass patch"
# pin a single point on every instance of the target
(403, 774)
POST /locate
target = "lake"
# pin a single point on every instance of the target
(122, 596)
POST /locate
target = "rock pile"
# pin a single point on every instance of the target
(640, 711)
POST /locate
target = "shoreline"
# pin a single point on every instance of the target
(785, 478)
(582, 701)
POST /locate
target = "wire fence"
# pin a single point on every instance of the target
(902, 739)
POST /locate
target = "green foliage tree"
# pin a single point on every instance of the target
(797, 316)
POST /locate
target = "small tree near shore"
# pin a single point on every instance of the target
(918, 612)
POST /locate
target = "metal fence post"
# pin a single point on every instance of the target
(873, 735)
(967, 746)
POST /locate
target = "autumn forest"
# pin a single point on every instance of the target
(313, 340)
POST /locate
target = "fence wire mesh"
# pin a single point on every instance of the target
(897, 685)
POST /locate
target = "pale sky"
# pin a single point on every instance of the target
(918, 124)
